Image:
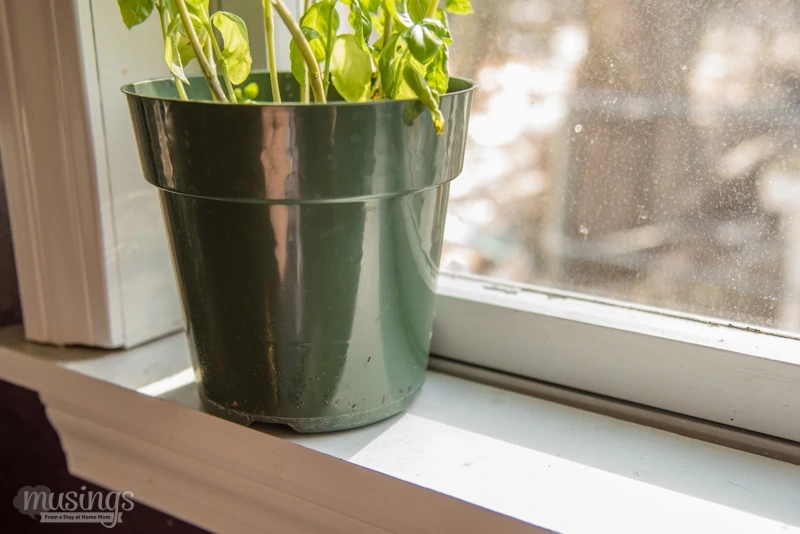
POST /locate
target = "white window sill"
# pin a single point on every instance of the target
(466, 457)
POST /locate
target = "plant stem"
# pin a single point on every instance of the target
(211, 78)
(387, 34)
(269, 26)
(305, 50)
(210, 56)
(432, 8)
(163, 17)
(304, 95)
(387, 26)
(213, 63)
(181, 89)
(329, 52)
(223, 67)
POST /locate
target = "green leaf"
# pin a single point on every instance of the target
(370, 6)
(399, 11)
(367, 6)
(459, 7)
(320, 17)
(185, 50)
(361, 22)
(317, 42)
(351, 69)
(178, 50)
(423, 43)
(441, 16)
(438, 74)
(173, 54)
(196, 8)
(404, 91)
(431, 100)
(316, 23)
(407, 12)
(439, 29)
(417, 9)
(184, 45)
(135, 11)
(236, 51)
(198, 4)
(172, 9)
(173, 58)
(298, 64)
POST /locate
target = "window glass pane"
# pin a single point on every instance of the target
(644, 150)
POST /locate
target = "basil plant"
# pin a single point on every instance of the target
(386, 49)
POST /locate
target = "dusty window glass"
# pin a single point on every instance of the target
(644, 150)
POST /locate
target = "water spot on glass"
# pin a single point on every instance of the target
(578, 128)
(583, 230)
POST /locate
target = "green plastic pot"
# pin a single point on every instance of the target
(306, 241)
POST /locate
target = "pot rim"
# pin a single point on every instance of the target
(129, 89)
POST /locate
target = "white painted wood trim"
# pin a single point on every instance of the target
(94, 268)
(483, 447)
(711, 371)
(139, 464)
(91, 251)
(567, 496)
(91, 248)
(67, 284)
(183, 462)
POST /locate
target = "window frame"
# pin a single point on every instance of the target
(85, 225)
(722, 372)
(726, 373)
